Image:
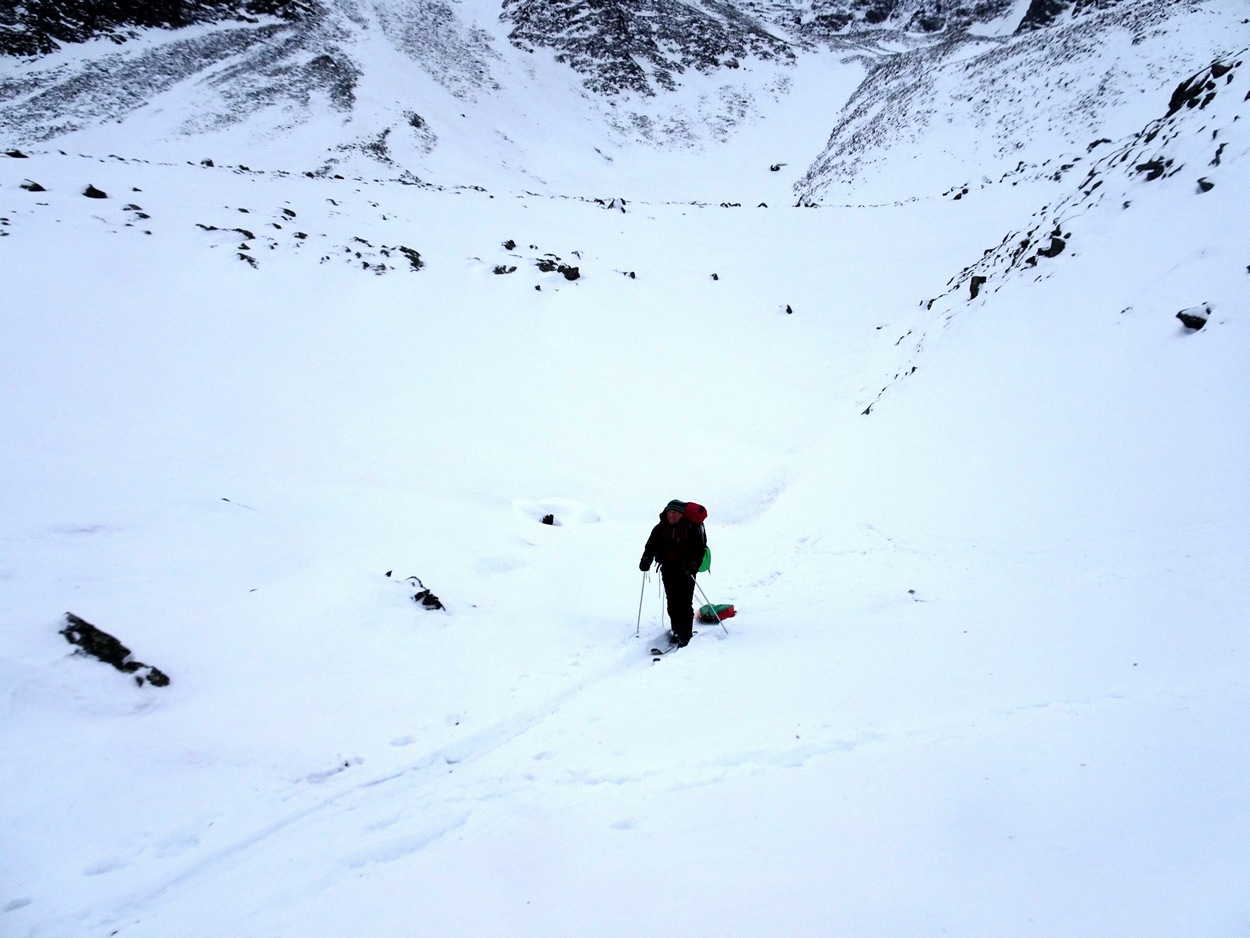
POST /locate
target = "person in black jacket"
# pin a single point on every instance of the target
(678, 545)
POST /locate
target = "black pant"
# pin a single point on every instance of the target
(679, 588)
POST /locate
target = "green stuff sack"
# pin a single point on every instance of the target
(707, 560)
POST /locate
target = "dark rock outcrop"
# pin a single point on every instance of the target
(1044, 13)
(36, 27)
(831, 18)
(640, 45)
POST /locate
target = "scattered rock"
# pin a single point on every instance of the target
(1055, 248)
(549, 519)
(1205, 185)
(505, 269)
(1153, 168)
(92, 192)
(99, 644)
(549, 263)
(414, 258)
(16, 154)
(31, 186)
(975, 287)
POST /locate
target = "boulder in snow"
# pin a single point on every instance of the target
(422, 596)
(1195, 317)
(99, 644)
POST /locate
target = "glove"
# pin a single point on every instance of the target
(645, 564)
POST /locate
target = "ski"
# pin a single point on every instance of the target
(657, 652)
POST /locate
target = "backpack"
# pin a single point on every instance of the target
(697, 514)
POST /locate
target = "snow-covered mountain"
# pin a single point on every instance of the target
(316, 314)
(473, 92)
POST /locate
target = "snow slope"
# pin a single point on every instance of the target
(988, 673)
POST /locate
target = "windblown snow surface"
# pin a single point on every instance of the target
(988, 552)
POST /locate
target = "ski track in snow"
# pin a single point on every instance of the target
(422, 786)
(418, 779)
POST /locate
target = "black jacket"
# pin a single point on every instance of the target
(677, 546)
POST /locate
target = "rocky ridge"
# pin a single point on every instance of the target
(1196, 149)
(1005, 94)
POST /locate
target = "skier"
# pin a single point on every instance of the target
(678, 544)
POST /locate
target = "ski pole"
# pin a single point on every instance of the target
(638, 627)
(709, 603)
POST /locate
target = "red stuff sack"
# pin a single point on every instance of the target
(714, 613)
